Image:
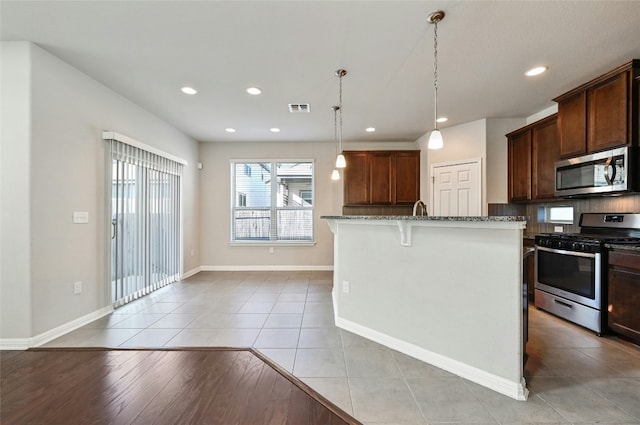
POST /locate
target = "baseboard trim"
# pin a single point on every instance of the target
(191, 272)
(43, 338)
(264, 268)
(515, 390)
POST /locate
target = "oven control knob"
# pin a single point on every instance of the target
(561, 244)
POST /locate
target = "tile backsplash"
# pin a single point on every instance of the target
(601, 204)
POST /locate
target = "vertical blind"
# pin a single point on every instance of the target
(145, 222)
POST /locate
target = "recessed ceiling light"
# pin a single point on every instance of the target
(188, 90)
(370, 129)
(254, 91)
(442, 119)
(536, 71)
(274, 130)
(230, 130)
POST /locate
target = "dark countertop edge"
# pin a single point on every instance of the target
(623, 247)
(497, 218)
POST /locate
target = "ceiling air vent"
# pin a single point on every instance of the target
(299, 107)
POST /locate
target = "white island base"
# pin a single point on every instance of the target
(444, 290)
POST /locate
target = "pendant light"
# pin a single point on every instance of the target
(335, 175)
(341, 162)
(435, 139)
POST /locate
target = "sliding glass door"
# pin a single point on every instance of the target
(145, 222)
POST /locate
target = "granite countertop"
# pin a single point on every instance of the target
(623, 247)
(498, 218)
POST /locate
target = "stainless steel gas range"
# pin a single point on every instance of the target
(570, 276)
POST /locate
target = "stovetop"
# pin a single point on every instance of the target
(596, 229)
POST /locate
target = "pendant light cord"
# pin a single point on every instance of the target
(340, 110)
(335, 128)
(435, 71)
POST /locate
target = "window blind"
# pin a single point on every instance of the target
(145, 221)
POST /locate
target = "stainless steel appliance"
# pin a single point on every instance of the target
(571, 268)
(601, 172)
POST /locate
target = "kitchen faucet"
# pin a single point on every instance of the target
(423, 208)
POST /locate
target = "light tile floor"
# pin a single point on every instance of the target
(573, 375)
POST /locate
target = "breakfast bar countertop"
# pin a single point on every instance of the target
(496, 218)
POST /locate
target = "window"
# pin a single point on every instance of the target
(242, 199)
(306, 195)
(272, 201)
(560, 215)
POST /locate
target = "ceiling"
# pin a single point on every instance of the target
(148, 50)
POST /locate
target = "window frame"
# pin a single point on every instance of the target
(545, 212)
(273, 208)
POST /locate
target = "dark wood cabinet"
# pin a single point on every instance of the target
(545, 152)
(607, 111)
(520, 165)
(572, 123)
(533, 151)
(381, 178)
(602, 113)
(624, 293)
(407, 177)
(356, 178)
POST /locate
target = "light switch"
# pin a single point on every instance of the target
(80, 216)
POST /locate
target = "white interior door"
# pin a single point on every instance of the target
(456, 188)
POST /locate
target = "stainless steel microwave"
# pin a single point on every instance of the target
(602, 172)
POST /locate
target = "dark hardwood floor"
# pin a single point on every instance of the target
(196, 386)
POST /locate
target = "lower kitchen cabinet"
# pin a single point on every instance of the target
(624, 293)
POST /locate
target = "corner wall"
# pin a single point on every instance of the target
(66, 173)
(15, 253)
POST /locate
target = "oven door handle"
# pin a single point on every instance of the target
(562, 303)
(568, 252)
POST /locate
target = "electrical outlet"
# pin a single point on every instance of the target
(270, 250)
(558, 229)
(345, 286)
(77, 288)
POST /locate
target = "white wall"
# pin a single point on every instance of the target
(69, 110)
(465, 141)
(497, 158)
(215, 196)
(15, 255)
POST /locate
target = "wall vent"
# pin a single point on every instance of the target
(299, 107)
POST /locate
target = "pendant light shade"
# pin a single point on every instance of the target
(341, 162)
(335, 175)
(435, 139)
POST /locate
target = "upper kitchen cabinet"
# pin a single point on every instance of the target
(356, 178)
(381, 178)
(533, 152)
(572, 124)
(520, 165)
(407, 177)
(602, 113)
(545, 138)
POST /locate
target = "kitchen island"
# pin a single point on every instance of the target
(445, 290)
